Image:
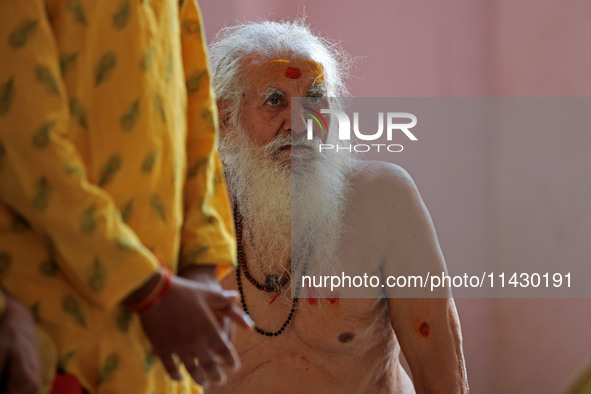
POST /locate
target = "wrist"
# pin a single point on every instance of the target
(156, 294)
(144, 290)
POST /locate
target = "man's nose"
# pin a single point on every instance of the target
(296, 120)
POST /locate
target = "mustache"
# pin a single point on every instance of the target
(283, 141)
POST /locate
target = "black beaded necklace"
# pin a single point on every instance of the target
(272, 281)
(243, 267)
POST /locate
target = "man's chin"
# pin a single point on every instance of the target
(296, 159)
(301, 165)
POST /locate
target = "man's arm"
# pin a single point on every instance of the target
(430, 338)
(428, 329)
(208, 230)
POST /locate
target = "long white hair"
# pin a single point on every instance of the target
(269, 40)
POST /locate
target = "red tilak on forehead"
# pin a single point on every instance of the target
(290, 69)
(293, 73)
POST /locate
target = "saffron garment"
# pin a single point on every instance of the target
(107, 165)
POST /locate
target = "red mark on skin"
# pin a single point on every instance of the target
(293, 73)
(312, 296)
(305, 359)
(274, 298)
(334, 297)
(425, 329)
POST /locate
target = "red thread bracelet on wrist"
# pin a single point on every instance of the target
(160, 291)
(153, 292)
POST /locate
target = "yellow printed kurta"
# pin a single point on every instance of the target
(107, 164)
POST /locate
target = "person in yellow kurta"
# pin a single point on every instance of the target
(108, 166)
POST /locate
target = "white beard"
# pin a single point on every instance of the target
(286, 209)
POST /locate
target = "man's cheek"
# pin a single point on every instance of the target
(259, 137)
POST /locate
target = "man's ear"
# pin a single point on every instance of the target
(223, 115)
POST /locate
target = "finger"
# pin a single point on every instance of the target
(232, 294)
(213, 369)
(226, 303)
(230, 328)
(171, 367)
(219, 342)
(219, 300)
(195, 370)
(224, 350)
(223, 323)
(240, 317)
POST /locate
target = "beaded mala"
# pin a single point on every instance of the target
(243, 267)
(271, 285)
(272, 282)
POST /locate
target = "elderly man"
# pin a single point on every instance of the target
(312, 344)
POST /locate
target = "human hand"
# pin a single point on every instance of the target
(186, 323)
(20, 359)
(206, 275)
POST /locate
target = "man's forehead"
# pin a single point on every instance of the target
(270, 72)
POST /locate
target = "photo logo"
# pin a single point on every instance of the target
(317, 117)
(395, 122)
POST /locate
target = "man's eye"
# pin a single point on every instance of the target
(274, 100)
(315, 100)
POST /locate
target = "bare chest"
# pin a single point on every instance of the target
(324, 325)
(331, 345)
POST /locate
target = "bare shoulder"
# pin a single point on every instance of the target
(381, 172)
(381, 181)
